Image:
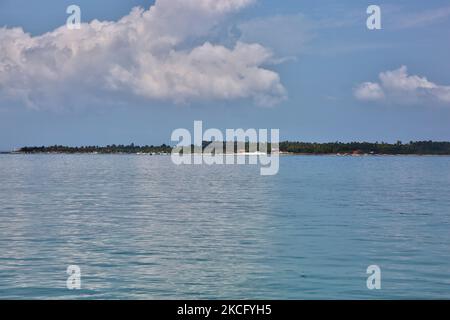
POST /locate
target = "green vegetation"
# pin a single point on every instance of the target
(417, 148)
(112, 149)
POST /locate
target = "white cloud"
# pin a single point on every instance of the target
(369, 91)
(398, 87)
(147, 54)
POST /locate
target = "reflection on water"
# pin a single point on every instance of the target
(141, 227)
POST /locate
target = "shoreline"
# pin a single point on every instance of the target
(230, 154)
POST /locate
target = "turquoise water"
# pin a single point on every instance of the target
(141, 227)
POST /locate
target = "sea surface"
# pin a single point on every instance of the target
(140, 227)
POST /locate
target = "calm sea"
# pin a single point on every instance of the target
(141, 227)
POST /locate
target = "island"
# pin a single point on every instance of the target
(285, 147)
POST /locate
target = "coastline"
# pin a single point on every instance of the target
(231, 154)
(289, 148)
(354, 149)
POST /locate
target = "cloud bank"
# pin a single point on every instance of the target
(157, 54)
(398, 87)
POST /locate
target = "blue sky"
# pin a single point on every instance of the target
(327, 78)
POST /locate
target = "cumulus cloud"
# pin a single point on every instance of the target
(399, 87)
(150, 54)
(369, 91)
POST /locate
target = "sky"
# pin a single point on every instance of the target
(137, 70)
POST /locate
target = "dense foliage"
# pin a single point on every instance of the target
(96, 149)
(420, 148)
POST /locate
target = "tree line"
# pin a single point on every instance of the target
(413, 147)
(417, 147)
(109, 149)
